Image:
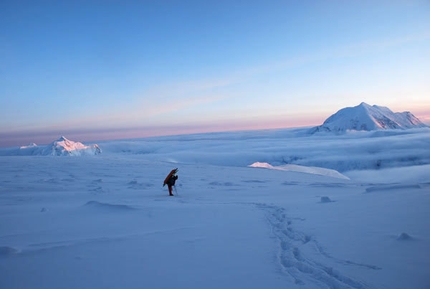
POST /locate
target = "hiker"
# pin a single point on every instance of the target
(171, 182)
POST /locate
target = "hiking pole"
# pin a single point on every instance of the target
(176, 191)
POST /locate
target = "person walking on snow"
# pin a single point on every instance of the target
(170, 180)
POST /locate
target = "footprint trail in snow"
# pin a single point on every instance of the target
(298, 266)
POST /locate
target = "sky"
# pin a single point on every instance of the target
(104, 70)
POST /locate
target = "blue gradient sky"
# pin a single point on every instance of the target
(94, 70)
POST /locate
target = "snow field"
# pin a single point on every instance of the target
(106, 221)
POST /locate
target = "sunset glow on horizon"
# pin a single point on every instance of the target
(99, 70)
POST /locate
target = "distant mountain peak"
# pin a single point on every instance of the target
(365, 117)
(64, 146)
(32, 145)
(60, 147)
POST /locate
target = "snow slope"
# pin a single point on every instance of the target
(366, 118)
(107, 222)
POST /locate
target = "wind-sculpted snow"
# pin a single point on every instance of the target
(302, 169)
(108, 208)
(5, 251)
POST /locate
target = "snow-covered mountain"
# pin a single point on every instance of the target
(365, 117)
(60, 147)
(65, 147)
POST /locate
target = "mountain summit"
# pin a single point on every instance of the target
(60, 147)
(365, 117)
(64, 147)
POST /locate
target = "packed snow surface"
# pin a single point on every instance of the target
(266, 209)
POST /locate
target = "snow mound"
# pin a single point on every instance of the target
(301, 169)
(365, 117)
(390, 187)
(108, 207)
(404, 237)
(326, 199)
(5, 251)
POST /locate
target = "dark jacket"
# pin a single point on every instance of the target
(172, 180)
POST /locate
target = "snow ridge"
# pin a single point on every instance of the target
(301, 169)
(365, 117)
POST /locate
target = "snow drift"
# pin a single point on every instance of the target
(301, 169)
